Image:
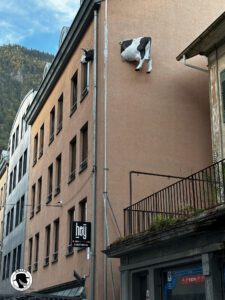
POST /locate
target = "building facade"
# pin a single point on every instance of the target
(4, 161)
(93, 123)
(16, 198)
(174, 239)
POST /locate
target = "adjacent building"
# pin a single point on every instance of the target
(15, 206)
(92, 123)
(4, 161)
(174, 239)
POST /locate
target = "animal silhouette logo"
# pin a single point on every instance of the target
(21, 280)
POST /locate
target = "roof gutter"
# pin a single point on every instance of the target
(194, 67)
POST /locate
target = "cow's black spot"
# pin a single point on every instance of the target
(143, 42)
(89, 55)
(125, 44)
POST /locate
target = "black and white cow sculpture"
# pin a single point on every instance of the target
(137, 49)
(87, 56)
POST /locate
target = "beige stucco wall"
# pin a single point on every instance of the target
(156, 123)
(70, 194)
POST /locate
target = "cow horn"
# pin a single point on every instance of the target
(84, 50)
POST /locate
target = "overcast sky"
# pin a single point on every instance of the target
(35, 24)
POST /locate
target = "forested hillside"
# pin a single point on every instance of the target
(21, 70)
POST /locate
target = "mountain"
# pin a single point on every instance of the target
(21, 70)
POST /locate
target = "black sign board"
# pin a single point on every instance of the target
(81, 234)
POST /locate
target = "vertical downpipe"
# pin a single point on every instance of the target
(105, 194)
(93, 232)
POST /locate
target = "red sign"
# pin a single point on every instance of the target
(192, 279)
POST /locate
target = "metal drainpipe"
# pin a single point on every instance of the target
(93, 232)
(105, 193)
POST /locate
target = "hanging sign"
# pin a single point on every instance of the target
(81, 234)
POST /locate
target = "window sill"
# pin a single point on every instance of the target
(31, 217)
(84, 94)
(34, 162)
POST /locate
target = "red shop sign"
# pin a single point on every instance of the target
(192, 279)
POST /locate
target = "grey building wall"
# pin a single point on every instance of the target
(17, 236)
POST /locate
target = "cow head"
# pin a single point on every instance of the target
(87, 56)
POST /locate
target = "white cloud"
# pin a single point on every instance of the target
(63, 11)
(20, 19)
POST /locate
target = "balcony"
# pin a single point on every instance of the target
(186, 198)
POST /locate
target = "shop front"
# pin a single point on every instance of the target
(185, 261)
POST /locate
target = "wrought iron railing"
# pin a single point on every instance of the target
(198, 192)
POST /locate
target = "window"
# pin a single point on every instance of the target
(20, 168)
(47, 244)
(33, 192)
(58, 174)
(4, 268)
(8, 265)
(7, 223)
(39, 195)
(52, 125)
(36, 251)
(84, 147)
(60, 114)
(70, 227)
(17, 213)
(41, 146)
(73, 150)
(11, 219)
(11, 182)
(17, 137)
(14, 260)
(13, 144)
(14, 177)
(18, 262)
(184, 283)
(30, 254)
(25, 162)
(21, 208)
(74, 94)
(84, 79)
(56, 240)
(22, 126)
(35, 149)
(83, 210)
(50, 179)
